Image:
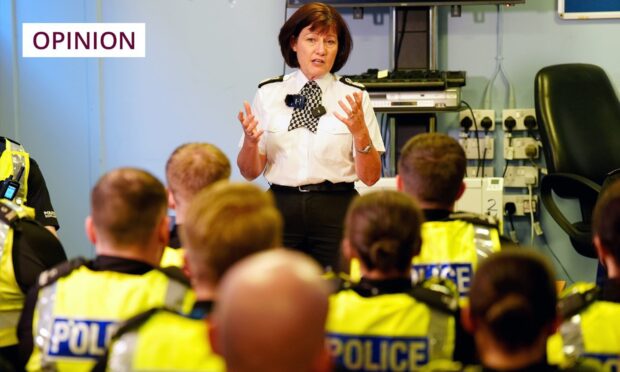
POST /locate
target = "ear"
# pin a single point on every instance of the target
(555, 325)
(399, 183)
(213, 334)
(294, 43)
(323, 361)
(347, 250)
(186, 269)
(466, 320)
(163, 230)
(171, 203)
(461, 191)
(600, 250)
(90, 230)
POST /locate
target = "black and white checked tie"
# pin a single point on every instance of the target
(304, 117)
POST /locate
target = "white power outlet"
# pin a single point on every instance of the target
(522, 203)
(470, 146)
(519, 116)
(519, 147)
(521, 176)
(479, 115)
(484, 172)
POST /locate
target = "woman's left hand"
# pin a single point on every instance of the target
(354, 120)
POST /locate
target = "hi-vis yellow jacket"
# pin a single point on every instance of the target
(390, 331)
(13, 158)
(11, 296)
(163, 340)
(79, 309)
(591, 329)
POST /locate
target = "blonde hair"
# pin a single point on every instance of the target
(225, 223)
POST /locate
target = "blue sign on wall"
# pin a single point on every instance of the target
(585, 9)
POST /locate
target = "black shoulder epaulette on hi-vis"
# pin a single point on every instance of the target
(577, 302)
(50, 276)
(347, 81)
(475, 219)
(271, 80)
(175, 273)
(435, 299)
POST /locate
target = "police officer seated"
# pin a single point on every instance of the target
(591, 315)
(225, 223)
(270, 314)
(71, 313)
(26, 250)
(512, 311)
(19, 168)
(431, 169)
(384, 322)
(190, 168)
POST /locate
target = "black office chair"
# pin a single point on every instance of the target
(579, 122)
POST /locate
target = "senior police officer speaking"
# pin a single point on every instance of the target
(312, 134)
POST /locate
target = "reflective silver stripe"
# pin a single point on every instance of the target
(175, 295)
(122, 353)
(483, 242)
(572, 337)
(45, 306)
(9, 319)
(18, 162)
(4, 231)
(438, 335)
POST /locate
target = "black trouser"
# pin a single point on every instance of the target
(313, 222)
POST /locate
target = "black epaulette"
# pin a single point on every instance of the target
(337, 282)
(271, 80)
(12, 140)
(577, 302)
(475, 219)
(347, 81)
(436, 296)
(61, 270)
(175, 273)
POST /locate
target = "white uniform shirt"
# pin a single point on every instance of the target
(300, 157)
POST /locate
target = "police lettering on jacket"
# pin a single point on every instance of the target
(377, 353)
(80, 338)
(459, 273)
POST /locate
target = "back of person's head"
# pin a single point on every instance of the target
(226, 222)
(513, 298)
(127, 206)
(432, 167)
(606, 220)
(271, 314)
(194, 166)
(383, 229)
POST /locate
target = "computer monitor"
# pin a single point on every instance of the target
(368, 3)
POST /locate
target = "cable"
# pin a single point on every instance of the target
(531, 202)
(400, 41)
(499, 70)
(473, 117)
(505, 169)
(570, 279)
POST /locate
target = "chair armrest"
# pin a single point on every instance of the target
(564, 180)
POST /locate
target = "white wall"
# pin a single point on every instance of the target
(82, 117)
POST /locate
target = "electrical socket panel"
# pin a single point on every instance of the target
(518, 146)
(486, 171)
(479, 115)
(519, 176)
(519, 115)
(470, 146)
(522, 203)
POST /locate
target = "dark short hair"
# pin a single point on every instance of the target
(606, 219)
(383, 227)
(513, 295)
(432, 167)
(321, 17)
(127, 205)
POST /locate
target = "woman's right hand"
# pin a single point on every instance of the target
(249, 124)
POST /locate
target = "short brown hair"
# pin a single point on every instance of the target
(384, 229)
(226, 222)
(127, 204)
(194, 166)
(322, 18)
(432, 167)
(513, 295)
(606, 219)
